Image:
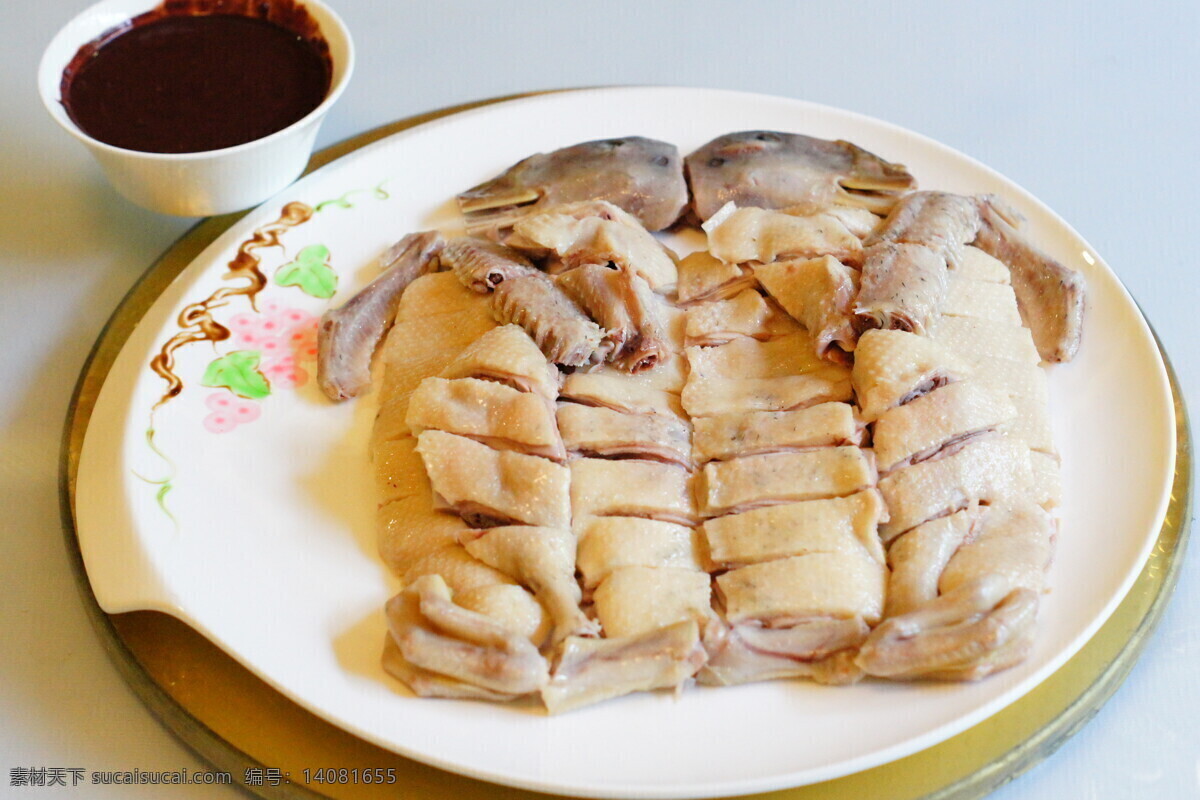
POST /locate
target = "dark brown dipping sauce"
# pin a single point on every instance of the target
(186, 84)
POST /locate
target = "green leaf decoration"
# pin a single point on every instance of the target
(311, 272)
(238, 372)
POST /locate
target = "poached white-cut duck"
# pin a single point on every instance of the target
(632, 316)
(698, 496)
(918, 557)
(620, 393)
(836, 584)
(987, 468)
(940, 221)
(603, 293)
(977, 265)
(894, 367)
(971, 297)
(984, 337)
(711, 396)
(446, 318)
(979, 628)
(746, 357)
(409, 528)
(903, 287)
(636, 599)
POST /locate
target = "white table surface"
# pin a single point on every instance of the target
(1091, 107)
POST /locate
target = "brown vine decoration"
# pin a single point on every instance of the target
(196, 322)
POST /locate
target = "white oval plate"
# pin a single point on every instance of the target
(262, 537)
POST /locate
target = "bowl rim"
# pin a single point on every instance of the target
(51, 66)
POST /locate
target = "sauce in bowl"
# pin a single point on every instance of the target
(183, 79)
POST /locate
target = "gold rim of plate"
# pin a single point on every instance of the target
(237, 723)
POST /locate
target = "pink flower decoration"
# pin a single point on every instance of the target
(244, 322)
(220, 422)
(284, 373)
(244, 340)
(270, 347)
(246, 411)
(221, 401)
(271, 307)
(296, 317)
(229, 411)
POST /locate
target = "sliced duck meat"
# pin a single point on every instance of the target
(634, 600)
(940, 419)
(737, 235)
(563, 332)
(987, 469)
(603, 432)
(347, 336)
(488, 412)
(435, 634)
(903, 287)
(745, 314)
(489, 487)
(786, 590)
(509, 355)
(592, 670)
(610, 543)
(894, 367)
(702, 276)
(940, 221)
(819, 294)
(630, 488)
(770, 169)
(746, 433)
(543, 560)
(712, 396)
(1051, 297)
(834, 525)
(620, 392)
(753, 481)
(597, 233)
(918, 558)
(481, 264)
(642, 176)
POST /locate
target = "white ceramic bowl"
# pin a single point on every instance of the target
(195, 184)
